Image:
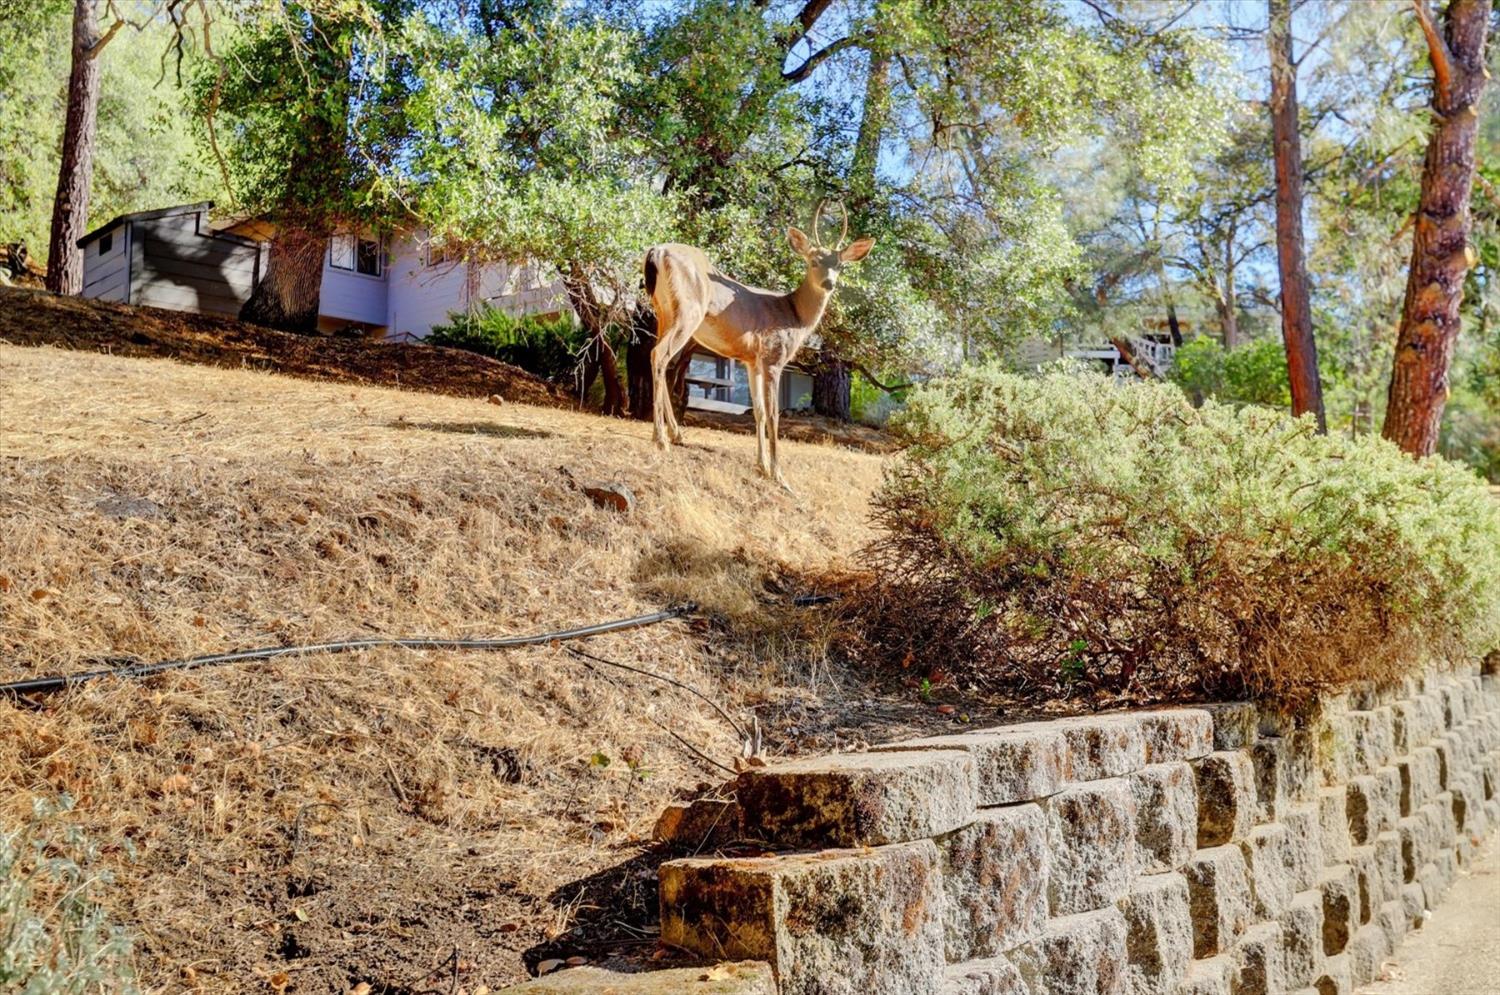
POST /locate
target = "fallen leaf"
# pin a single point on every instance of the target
(363, 988)
(548, 966)
(279, 981)
(946, 709)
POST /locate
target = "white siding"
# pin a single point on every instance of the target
(421, 296)
(106, 276)
(179, 263)
(350, 296)
(520, 288)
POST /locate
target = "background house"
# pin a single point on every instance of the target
(394, 287)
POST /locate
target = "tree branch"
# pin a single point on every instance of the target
(1437, 49)
(814, 60)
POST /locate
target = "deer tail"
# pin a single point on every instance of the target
(651, 270)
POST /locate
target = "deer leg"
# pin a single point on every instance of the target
(669, 341)
(773, 410)
(758, 408)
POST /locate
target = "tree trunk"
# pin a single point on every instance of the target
(831, 382)
(1441, 256)
(1229, 316)
(287, 297)
(639, 382)
(70, 208)
(1296, 310)
(581, 295)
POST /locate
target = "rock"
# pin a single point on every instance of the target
(1076, 955)
(1367, 948)
(1367, 883)
(117, 505)
(1219, 897)
(1334, 979)
(1235, 724)
(743, 978)
(1023, 764)
(1176, 734)
(615, 497)
(1371, 739)
(991, 976)
(1258, 954)
(1265, 863)
(1166, 819)
(995, 873)
(701, 823)
(1388, 865)
(859, 799)
(1159, 934)
(1340, 894)
(1302, 938)
(1302, 853)
(1101, 746)
(495, 399)
(1226, 797)
(1091, 831)
(871, 918)
(1333, 819)
(1210, 976)
(1364, 801)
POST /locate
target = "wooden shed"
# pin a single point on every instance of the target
(171, 258)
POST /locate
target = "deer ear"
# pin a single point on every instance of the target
(857, 250)
(799, 240)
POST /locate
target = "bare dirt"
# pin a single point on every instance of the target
(410, 820)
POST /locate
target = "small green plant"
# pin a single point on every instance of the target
(55, 937)
(546, 346)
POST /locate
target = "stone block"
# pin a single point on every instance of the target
(1439, 813)
(1391, 918)
(1091, 832)
(1340, 894)
(1453, 702)
(1444, 752)
(1302, 938)
(1414, 905)
(995, 873)
(1424, 769)
(1368, 948)
(1370, 804)
(859, 799)
(1234, 722)
(1211, 976)
(1367, 883)
(704, 823)
(1334, 979)
(1415, 834)
(1261, 961)
(1371, 740)
(1265, 864)
(871, 918)
(1333, 821)
(1468, 811)
(1303, 854)
(991, 976)
(1432, 885)
(1166, 815)
(1101, 746)
(1159, 934)
(1018, 764)
(743, 978)
(1076, 955)
(1389, 779)
(1388, 864)
(1219, 898)
(1226, 797)
(1176, 734)
(1413, 722)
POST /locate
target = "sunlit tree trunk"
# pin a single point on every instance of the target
(288, 296)
(1296, 309)
(1441, 256)
(70, 208)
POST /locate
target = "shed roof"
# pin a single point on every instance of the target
(201, 207)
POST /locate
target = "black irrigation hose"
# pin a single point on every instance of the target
(42, 685)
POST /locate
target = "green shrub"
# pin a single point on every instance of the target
(545, 346)
(1254, 373)
(54, 936)
(1045, 531)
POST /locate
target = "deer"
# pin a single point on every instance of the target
(760, 328)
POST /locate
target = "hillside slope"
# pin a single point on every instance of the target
(366, 818)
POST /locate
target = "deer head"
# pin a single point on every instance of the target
(823, 263)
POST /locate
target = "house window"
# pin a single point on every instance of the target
(106, 242)
(362, 255)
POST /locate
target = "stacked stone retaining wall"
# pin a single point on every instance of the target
(1211, 850)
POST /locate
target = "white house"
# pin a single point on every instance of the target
(393, 287)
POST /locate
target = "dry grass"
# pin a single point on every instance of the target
(362, 818)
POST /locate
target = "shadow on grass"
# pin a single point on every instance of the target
(491, 429)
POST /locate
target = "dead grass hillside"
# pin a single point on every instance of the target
(320, 822)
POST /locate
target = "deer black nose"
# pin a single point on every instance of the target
(827, 284)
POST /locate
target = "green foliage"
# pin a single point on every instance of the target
(145, 153)
(1120, 536)
(1252, 374)
(548, 347)
(55, 938)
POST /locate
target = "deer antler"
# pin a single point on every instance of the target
(844, 233)
(817, 216)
